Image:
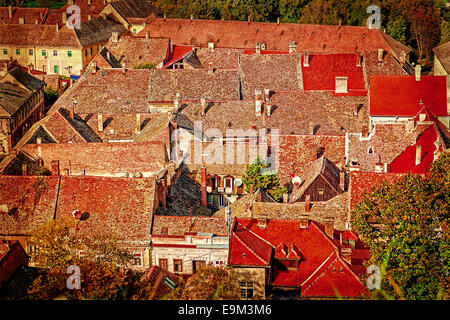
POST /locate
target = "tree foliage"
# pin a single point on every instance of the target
(210, 283)
(259, 175)
(59, 245)
(405, 224)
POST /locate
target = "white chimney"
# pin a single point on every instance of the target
(258, 48)
(418, 70)
(380, 54)
(10, 10)
(21, 20)
(292, 46)
(100, 122)
(203, 102)
(211, 46)
(258, 105)
(306, 59)
(341, 84)
(418, 154)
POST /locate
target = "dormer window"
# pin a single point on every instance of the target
(370, 150)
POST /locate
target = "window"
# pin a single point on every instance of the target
(137, 259)
(70, 69)
(370, 150)
(228, 182)
(219, 263)
(69, 53)
(85, 52)
(163, 263)
(30, 52)
(246, 289)
(221, 201)
(91, 51)
(44, 53)
(55, 53)
(198, 265)
(320, 190)
(18, 52)
(55, 69)
(177, 265)
(5, 51)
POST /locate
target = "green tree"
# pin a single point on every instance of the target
(259, 175)
(210, 283)
(290, 10)
(405, 224)
(397, 28)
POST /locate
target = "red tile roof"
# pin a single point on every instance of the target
(366, 182)
(324, 68)
(316, 251)
(178, 53)
(244, 35)
(122, 207)
(103, 158)
(401, 95)
(26, 202)
(30, 15)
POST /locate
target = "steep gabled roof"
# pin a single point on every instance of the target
(134, 8)
(316, 169)
(98, 30)
(27, 80)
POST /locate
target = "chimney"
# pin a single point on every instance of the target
(39, 141)
(258, 48)
(21, 20)
(250, 189)
(108, 55)
(346, 254)
(57, 28)
(341, 84)
(211, 46)
(124, 68)
(418, 70)
(203, 186)
(358, 59)
(403, 57)
(115, 36)
(380, 54)
(138, 123)
(329, 226)
(147, 34)
(387, 167)
(266, 94)
(303, 221)
(24, 169)
(72, 111)
(269, 109)
(379, 167)
(89, 16)
(278, 20)
(292, 46)
(10, 11)
(263, 46)
(285, 198)
(306, 59)
(165, 16)
(36, 21)
(55, 167)
(89, 2)
(93, 67)
(418, 154)
(192, 17)
(258, 105)
(262, 222)
(307, 203)
(100, 122)
(203, 102)
(64, 17)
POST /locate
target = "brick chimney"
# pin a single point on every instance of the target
(418, 71)
(346, 254)
(418, 154)
(24, 169)
(307, 203)
(303, 221)
(138, 124)
(100, 122)
(203, 186)
(380, 54)
(306, 59)
(329, 226)
(55, 167)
